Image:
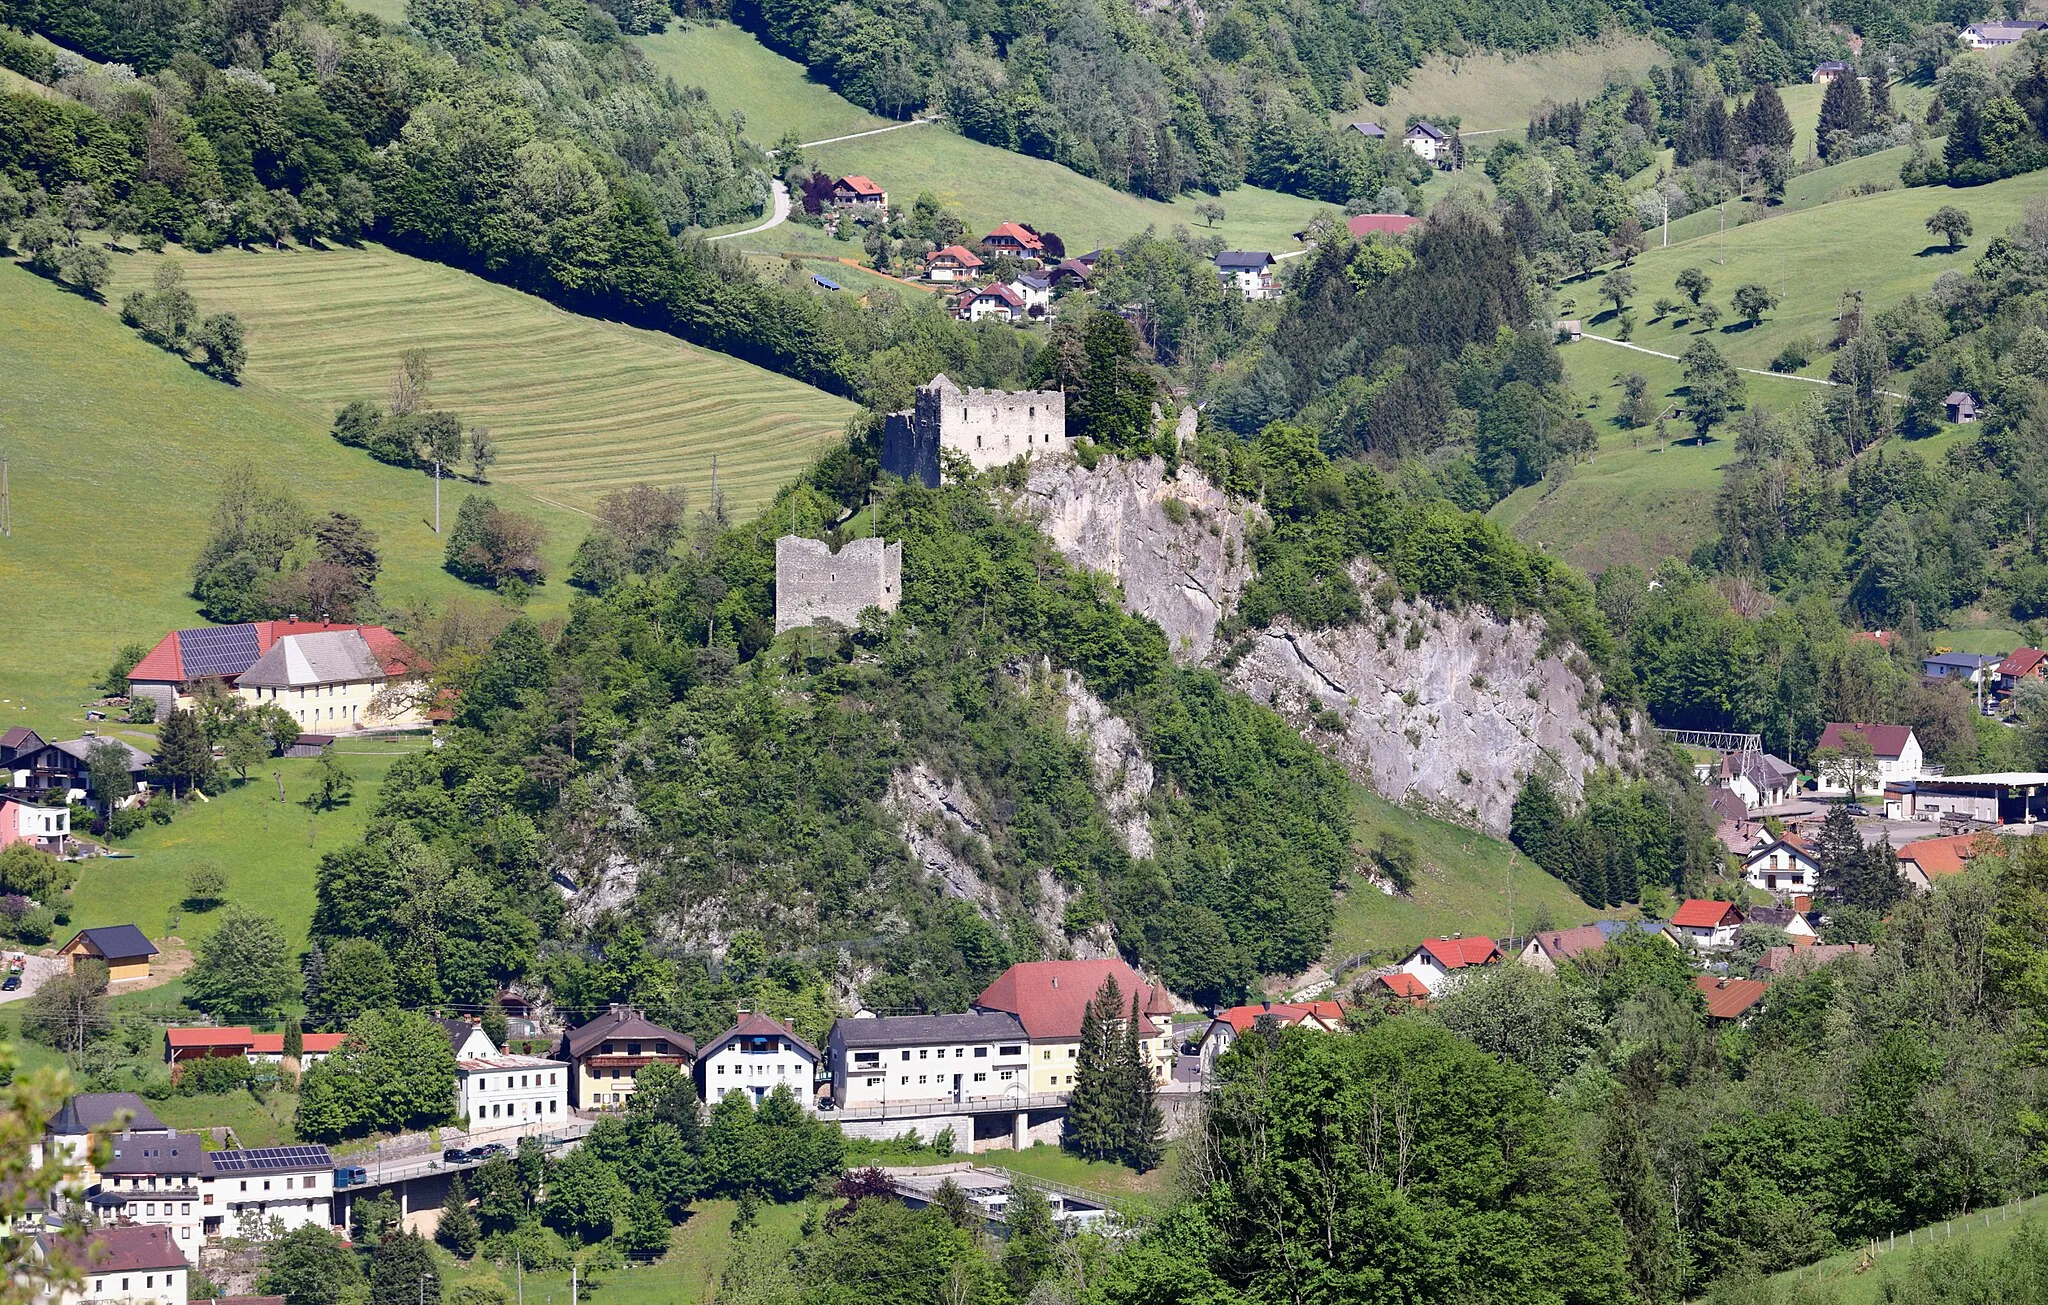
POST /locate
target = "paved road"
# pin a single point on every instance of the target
(393, 1165)
(777, 216)
(36, 971)
(1753, 371)
(895, 126)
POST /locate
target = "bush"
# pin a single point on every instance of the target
(215, 1075)
(1792, 357)
(124, 822)
(160, 807)
(36, 925)
(142, 711)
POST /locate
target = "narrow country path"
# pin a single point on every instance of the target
(778, 214)
(894, 126)
(1753, 371)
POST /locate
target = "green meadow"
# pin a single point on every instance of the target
(1491, 91)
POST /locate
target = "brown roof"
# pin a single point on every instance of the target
(1812, 955)
(1939, 856)
(117, 1250)
(859, 185)
(1404, 985)
(1049, 997)
(623, 1022)
(1728, 998)
(753, 1024)
(2020, 661)
(1563, 944)
(1885, 740)
(1457, 953)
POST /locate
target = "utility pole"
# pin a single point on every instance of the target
(519, 1268)
(437, 496)
(572, 1282)
(1723, 207)
(6, 505)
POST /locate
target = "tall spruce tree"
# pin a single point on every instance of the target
(458, 1228)
(1878, 886)
(1843, 108)
(1144, 1129)
(1094, 1121)
(182, 753)
(1764, 120)
(1839, 851)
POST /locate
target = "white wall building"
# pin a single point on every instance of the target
(517, 1094)
(754, 1057)
(905, 1059)
(166, 1180)
(1894, 751)
(129, 1266)
(1783, 866)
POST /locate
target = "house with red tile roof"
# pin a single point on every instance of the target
(1049, 998)
(1926, 860)
(1549, 948)
(860, 192)
(1893, 748)
(183, 1044)
(953, 263)
(1728, 999)
(1707, 924)
(1784, 865)
(2021, 664)
(1229, 1025)
(1014, 238)
(1437, 959)
(309, 668)
(1400, 986)
(1882, 638)
(268, 1048)
(1380, 224)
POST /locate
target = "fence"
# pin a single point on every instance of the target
(1850, 1263)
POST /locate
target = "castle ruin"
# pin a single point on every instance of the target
(813, 583)
(987, 427)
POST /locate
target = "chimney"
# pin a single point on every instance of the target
(1055, 980)
(1721, 982)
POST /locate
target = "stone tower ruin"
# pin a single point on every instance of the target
(813, 583)
(987, 427)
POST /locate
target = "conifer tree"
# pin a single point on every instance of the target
(1764, 120)
(1839, 851)
(458, 1228)
(1144, 1130)
(1093, 1116)
(1843, 108)
(182, 753)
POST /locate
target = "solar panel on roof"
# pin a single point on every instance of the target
(271, 1157)
(217, 650)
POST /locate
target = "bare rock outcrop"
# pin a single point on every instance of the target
(1177, 544)
(1117, 761)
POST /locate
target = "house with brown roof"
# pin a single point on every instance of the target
(1707, 924)
(1728, 1000)
(1436, 960)
(1229, 1025)
(993, 300)
(1925, 861)
(1757, 777)
(1549, 948)
(754, 1057)
(953, 263)
(604, 1055)
(125, 1264)
(1014, 238)
(1894, 750)
(1784, 865)
(1049, 999)
(1391, 225)
(859, 192)
(2020, 664)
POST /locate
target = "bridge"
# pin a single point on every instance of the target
(1714, 740)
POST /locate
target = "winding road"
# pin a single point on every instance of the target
(778, 214)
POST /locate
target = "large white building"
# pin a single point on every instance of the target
(918, 1059)
(119, 1266)
(1894, 755)
(754, 1057)
(167, 1180)
(498, 1091)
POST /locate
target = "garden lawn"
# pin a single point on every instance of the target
(1468, 883)
(578, 407)
(258, 1121)
(688, 1275)
(739, 74)
(1147, 1193)
(1491, 91)
(116, 449)
(267, 849)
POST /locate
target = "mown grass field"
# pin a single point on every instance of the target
(1469, 883)
(115, 452)
(698, 1253)
(738, 73)
(1491, 91)
(1836, 1281)
(578, 407)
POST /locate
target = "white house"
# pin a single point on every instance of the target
(1793, 923)
(47, 829)
(1758, 778)
(168, 1181)
(906, 1059)
(1784, 866)
(243, 1190)
(501, 1092)
(953, 263)
(1895, 754)
(993, 300)
(1247, 271)
(117, 1265)
(754, 1057)
(1707, 925)
(1994, 34)
(1429, 142)
(1228, 1026)
(1034, 289)
(1437, 959)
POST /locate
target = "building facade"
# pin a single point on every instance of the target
(117, 1266)
(988, 428)
(1050, 999)
(754, 1057)
(604, 1055)
(813, 583)
(901, 1060)
(45, 828)
(518, 1095)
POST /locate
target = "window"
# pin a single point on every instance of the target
(245, 1184)
(981, 1053)
(186, 1207)
(150, 1209)
(960, 1052)
(1010, 1051)
(1048, 1055)
(922, 1053)
(906, 1080)
(1073, 1052)
(981, 1078)
(266, 1184)
(721, 1069)
(942, 1053)
(1007, 1075)
(921, 1078)
(906, 1054)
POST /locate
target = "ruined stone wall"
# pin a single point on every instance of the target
(987, 427)
(812, 583)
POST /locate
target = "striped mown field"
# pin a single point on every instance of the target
(578, 407)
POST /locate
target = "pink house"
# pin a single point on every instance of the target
(45, 828)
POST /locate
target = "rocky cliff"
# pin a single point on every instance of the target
(1438, 709)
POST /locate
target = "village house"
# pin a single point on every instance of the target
(1248, 272)
(1430, 143)
(212, 658)
(1014, 238)
(1437, 959)
(1758, 778)
(168, 1180)
(1050, 998)
(1034, 290)
(1370, 130)
(2020, 664)
(1399, 986)
(68, 1134)
(953, 263)
(911, 1059)
(754, 1057)
(61, 768)
(992, 301)
(1972, 669)
(1894, 751)
(1069, 270)
(1782, 866)
(1997, 33)
(859, 192)
(45, 828)
(1800, 958)
(1229, 1025)
(334, 681)
(1707, 925)
(117, 1266)
(605, 1054)
(1787, 920)
(1826, 72)
(1549, 948)
(1926, 860)
(498, 1091)
(1960, 407)
(1728, 1000)
(122, 946)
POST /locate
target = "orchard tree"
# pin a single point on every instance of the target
(225, 343)
(1753, 300)
(1693, 284)
(1951, 224)
(1617, 286)
(243, 970)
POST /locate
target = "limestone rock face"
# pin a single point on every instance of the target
(1177, 544)
(1117, 761)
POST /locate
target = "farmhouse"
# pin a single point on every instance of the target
(1894, 751)
(1707, 925)
(1782, 866)
(993, 300)
(859, 192)
(1798, 958)
(754, 1057)
(605, 1054)
(1248, 272)
(1014, 238)
(953, 263)
(1960, 407)
(334, 680)
(1757, 777)
(1229, 1025)
(1428, 142)
(61, 768)
(187, 660)
(1787, 920)
(2002, 32)
(1823, 73)
(1437, 959)
(1969, 668)
(122, 946)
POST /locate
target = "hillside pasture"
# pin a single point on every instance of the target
(738, 74)
(578, 407)
(1494, 91)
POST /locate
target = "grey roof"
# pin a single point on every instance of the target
(1773, 917)
(1429, 129)
(89, 1110)
(155, 1153)
(1368, 129)
(330, 657)
(116, 940)
(913, 1030)
(82, 749)
(1967, 661)
(1247, 258)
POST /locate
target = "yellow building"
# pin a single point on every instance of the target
(329, 682)
(1050, 999)
(122, 946)
(606, 1055)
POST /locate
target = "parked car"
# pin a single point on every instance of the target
(455, 1155)
(350, 1175)
(10, 983)
(491, 1152)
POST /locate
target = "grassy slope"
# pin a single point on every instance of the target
(737, 71)
(266, 847)
(698, 1253)
(1492, 91)
(1468, 884)
(578, 406)
(116, 448)
(1838, 1274)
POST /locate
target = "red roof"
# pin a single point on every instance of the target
(859, 185)
(165, 664)
(118, 1249)
(1242, 1018)
(999, 291)
(190, 1039)
(1386, 224)
(1728, 998)
(272, 1044)
(960, 254)
(1567, 943)
(1939, 856)
(1698, 913)
(1405, 985)
(1011, 231)
(1882, 638)
(1049, 997)
(1885, 740)
(1457, 953)
(2021, 661)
